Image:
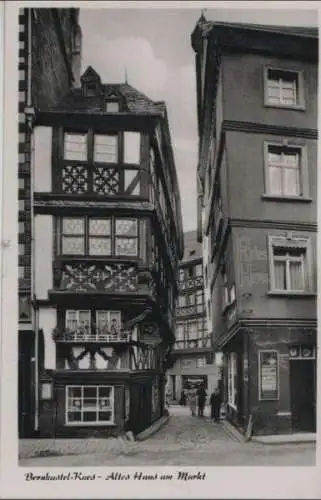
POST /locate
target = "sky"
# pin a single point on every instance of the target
(154, 46)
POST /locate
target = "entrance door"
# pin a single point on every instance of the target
(303, 382)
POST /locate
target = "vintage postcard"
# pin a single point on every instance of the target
(158, 256)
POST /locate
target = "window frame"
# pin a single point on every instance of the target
(303, 171)
(284, 242)
(82, 410)
(87, 236)
(300, 105)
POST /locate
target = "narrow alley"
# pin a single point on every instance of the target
(184, 440)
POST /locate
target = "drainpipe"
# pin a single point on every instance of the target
(29, 112)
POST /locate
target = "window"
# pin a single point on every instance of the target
(284, 88)
(232, 379)
(289, 265)
(284, 170)
(126, 237)
(89, 405)
(21, 205)
(199, 270)
(132, 147)
(75, 147)
(200, 362)
(105, 324)
(108, 322)
(105, 148)
(21, 249)
(73, 236)
(112, 107)
(21, 183)
(78, 321)
(99, 236)
(21, 272)
(21, 227)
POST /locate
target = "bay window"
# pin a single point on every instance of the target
(91, 236)
(89, 405)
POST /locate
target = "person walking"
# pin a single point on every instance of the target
(192, 400)
(215, 402)
(201, 399)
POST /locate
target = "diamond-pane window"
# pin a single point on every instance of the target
(73, 238)
(99, 236)
(126, 227)
(100, 227)
(126, 246)
(105, 148)
(75, 147)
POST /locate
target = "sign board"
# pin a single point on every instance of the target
(268, 375)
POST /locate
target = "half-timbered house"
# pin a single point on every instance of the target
(108, 239)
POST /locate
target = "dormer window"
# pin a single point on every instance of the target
(90, 82)
(112, 107)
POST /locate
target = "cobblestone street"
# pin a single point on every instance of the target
(184, 440)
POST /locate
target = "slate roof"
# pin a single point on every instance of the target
(136, 102)
(192, 248)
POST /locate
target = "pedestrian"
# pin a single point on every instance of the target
(215, 402)
(192, 400)
(201, 399)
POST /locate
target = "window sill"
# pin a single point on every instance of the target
(290, 293)
(90, 424)
(276, 197)
(296, 107)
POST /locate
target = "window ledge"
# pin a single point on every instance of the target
(290, 293)
(90, 424)
(276, 197)
(296, 107)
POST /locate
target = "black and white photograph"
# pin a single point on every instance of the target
(163, 243)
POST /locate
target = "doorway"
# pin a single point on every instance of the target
(303, 394)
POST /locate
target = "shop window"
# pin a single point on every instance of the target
(89, 405)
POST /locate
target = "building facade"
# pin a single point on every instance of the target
(108, 239)
(49, 64)
(193, 353)
(257, 173)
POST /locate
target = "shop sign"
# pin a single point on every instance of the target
(268, 375)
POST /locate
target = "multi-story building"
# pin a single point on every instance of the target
(49, 64)
(108, 239)
(193, 354)
(257, 119)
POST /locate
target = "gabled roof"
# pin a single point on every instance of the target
(134, 100)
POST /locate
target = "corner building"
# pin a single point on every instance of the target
(257, 118)
(108, 238)
(192, 351)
